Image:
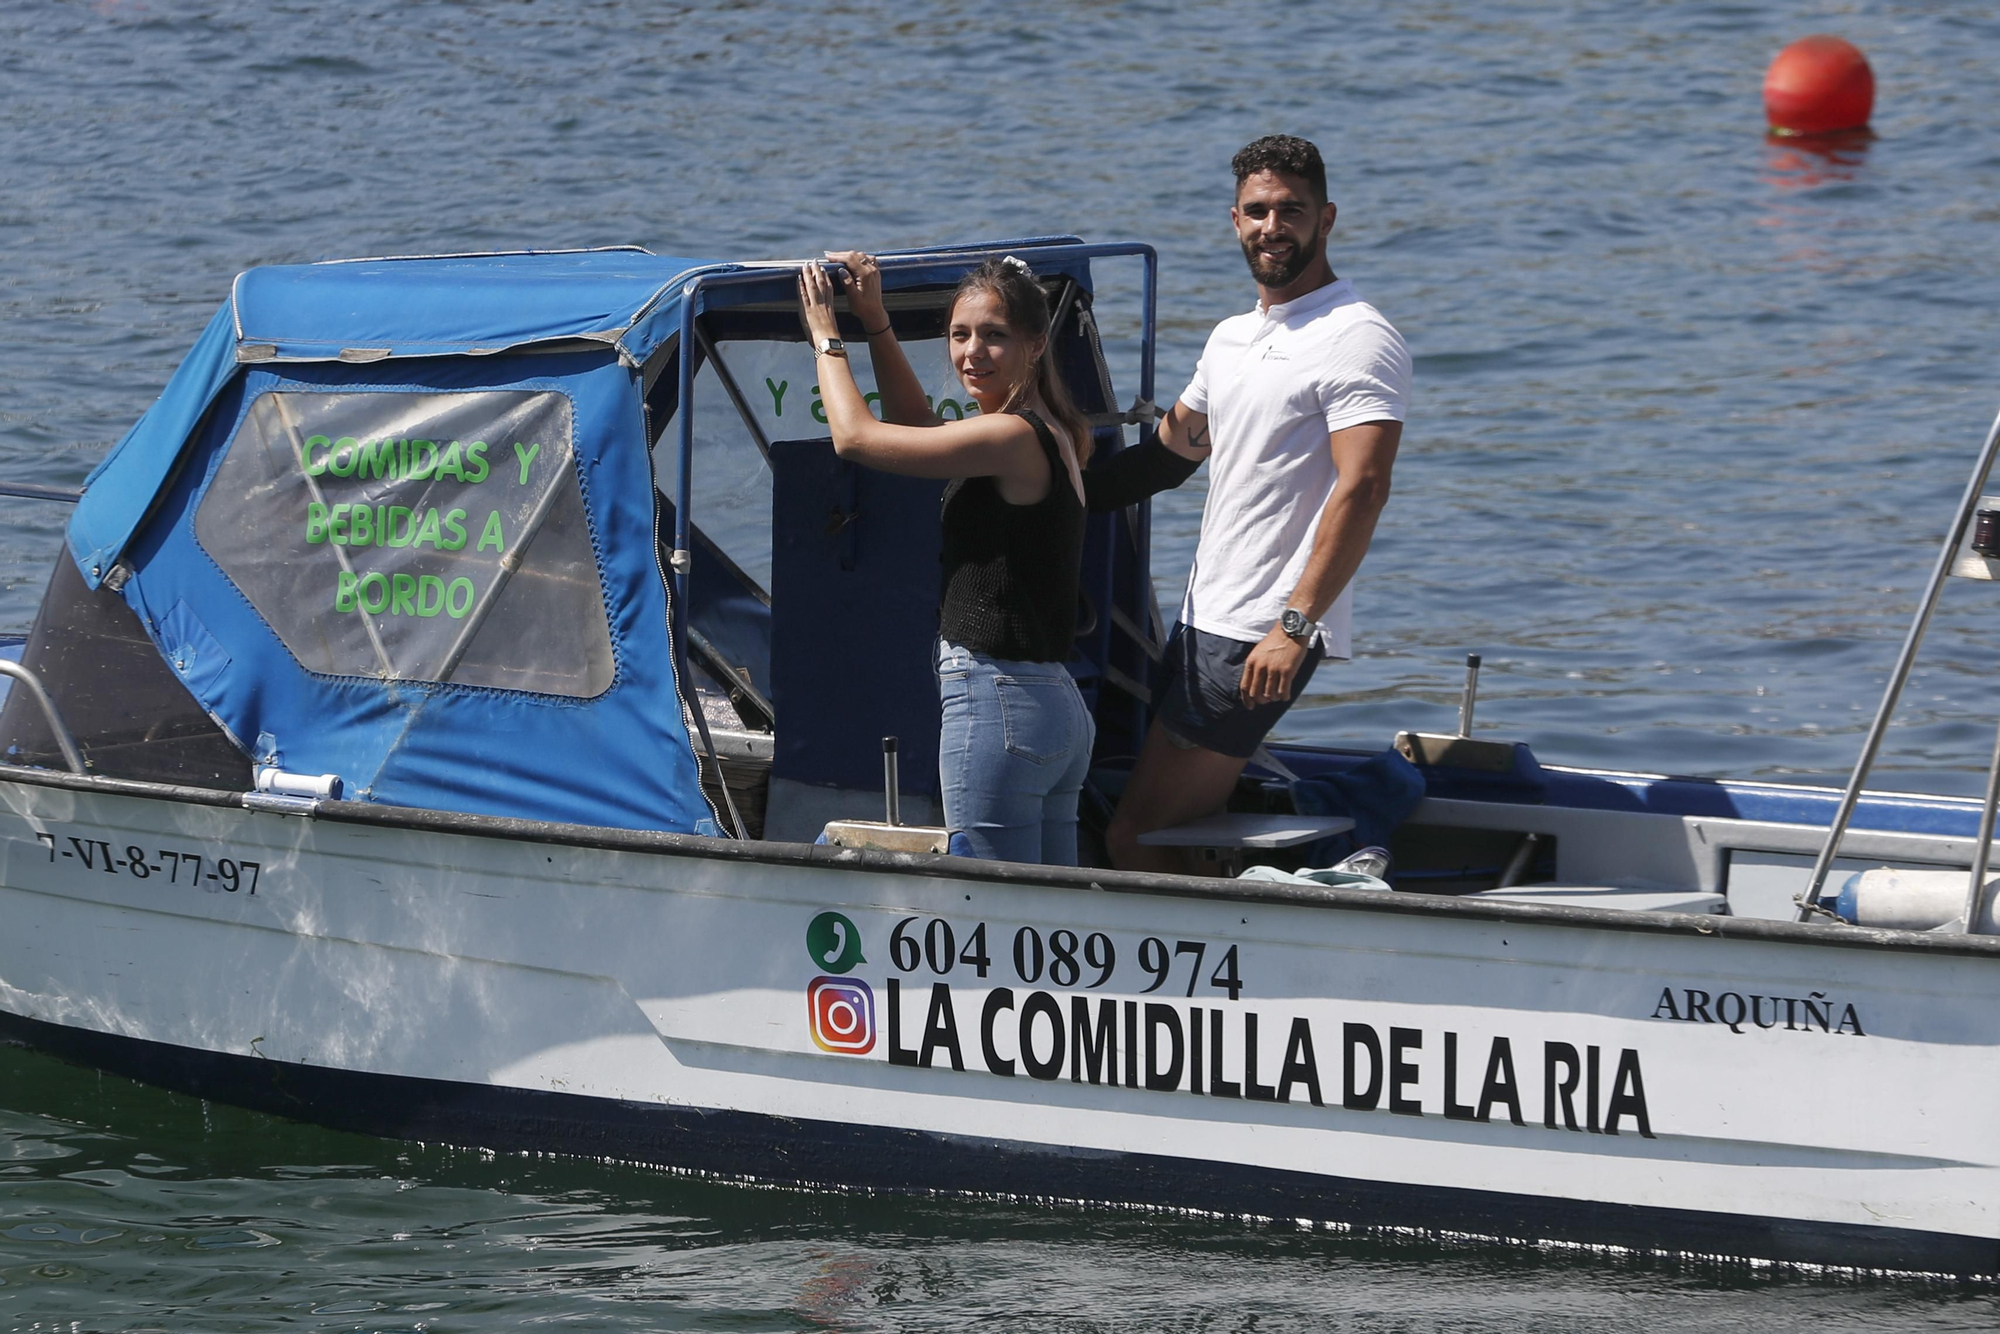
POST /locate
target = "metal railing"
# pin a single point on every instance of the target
(65, 742)
(1898, 677)
(35, 491)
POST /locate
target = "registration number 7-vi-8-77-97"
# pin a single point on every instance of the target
(230, 875)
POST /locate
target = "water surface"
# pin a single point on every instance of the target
(1691, 411)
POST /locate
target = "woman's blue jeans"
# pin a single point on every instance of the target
(1012, 755)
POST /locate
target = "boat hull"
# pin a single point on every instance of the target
(779, 1150)
(912, 1023)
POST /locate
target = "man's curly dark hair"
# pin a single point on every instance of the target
(1285, 154)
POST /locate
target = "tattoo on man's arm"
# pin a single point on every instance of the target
(1198, 435)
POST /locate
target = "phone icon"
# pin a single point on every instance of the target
(834, 943)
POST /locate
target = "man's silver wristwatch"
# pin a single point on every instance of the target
(829, 347)
(1296, 626)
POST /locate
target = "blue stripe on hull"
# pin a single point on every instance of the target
(825, 1153)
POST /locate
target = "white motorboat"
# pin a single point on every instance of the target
(393, 751)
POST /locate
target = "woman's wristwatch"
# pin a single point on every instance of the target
(829, 347)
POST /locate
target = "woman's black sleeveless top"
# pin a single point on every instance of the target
(1011, 571)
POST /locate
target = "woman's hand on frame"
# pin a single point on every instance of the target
(816, 303)
(863, 283)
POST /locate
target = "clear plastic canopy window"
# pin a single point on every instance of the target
(732, 481)
(415, 537)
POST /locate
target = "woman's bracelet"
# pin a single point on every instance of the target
(877, 333)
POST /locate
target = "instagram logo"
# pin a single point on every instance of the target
(842, 1013)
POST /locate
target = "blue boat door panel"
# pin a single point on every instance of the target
(854, 594)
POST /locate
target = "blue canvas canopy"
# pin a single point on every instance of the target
(359, 311)
(397, 520)
(372, 545)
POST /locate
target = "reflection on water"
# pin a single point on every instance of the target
(1800, 162)
(145, 1210)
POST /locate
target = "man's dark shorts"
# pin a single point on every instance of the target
(1200, 702)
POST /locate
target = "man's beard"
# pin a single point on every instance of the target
(1273, 273)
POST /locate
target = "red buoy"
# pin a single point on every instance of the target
(1819, 85)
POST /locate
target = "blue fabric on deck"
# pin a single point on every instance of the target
(1378, 795)
(1524, 782)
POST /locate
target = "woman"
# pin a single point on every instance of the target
(1016, 736)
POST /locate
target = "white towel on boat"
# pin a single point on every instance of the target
(1326, 876)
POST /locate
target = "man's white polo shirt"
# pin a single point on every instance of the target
(1275, 383)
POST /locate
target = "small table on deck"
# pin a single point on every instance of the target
(1222, 838)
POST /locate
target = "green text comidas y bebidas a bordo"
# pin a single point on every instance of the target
(363, 525)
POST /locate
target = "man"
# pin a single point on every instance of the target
(1304, 397)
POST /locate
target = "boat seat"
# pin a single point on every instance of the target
(742, 759)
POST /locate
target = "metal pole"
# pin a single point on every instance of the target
(1149, 265)
(735, 394)
(715, 763)
(1142, 527)
(502, 573)
(1517, 865)
(1062, 313)
(1809, 901)
(1148, 318)
(1465, 701)
(682, 559)
(891, 788)
(684, 405)
(64, 741)
(33, 491)
(339, 551)
(1975, 892)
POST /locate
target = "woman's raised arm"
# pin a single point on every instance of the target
(999, 445)
(903, 399)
